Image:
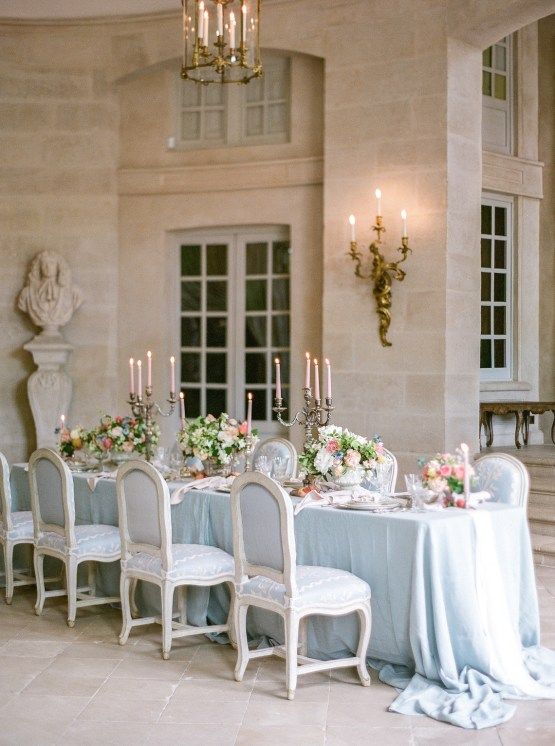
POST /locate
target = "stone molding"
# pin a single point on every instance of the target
(512, 175)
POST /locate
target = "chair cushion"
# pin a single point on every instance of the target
(91, 540)
(190, 562)
(317, 586)
(22, 527)
(502, 480)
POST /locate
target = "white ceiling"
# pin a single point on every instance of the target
(52, 9)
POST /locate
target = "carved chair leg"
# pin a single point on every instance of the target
(291, 651)
(240, 624)
(518, 427)
(38, 561)
(8, 570)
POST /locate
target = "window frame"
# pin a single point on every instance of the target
(507, 372)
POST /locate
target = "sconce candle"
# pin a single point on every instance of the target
(278, 378)
(249, 413)
(131, 376)
(353, 222)
(316, 381)
(379, 200)
(307, 373)
(244, 23)
(404, 219)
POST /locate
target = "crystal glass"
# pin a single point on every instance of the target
(176, 457)
(416, 491)
(264, 464)
(384, 471)
(280, 468)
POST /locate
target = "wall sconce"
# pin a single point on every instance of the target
(380, 272)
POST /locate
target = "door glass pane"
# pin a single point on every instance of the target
(216, 367)
(216, 259)
(500, 57)
(499, 287)
(486, 83)
(259, 405)
(190, 260)
(216, 401)
(499, 320)
(486, 57)
(500, 255)
(486, 320)
(485, 353)
(213, 94)
(255, 367)
(486, 252)
(190, 367)
(190, 296)
(500, 90)
(256, 295)
(190, 331)
(216, 295)
(280, 257)
(280, 294)
(486, 219)
(255, 331)
(216, 331)
(486, 286)
(257, 258)
(280, 331)
(192, 402)
(499, 353)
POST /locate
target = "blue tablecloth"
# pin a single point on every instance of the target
(428, 635)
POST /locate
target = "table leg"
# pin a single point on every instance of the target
(526, 415)
(518, 427)
(488, 423)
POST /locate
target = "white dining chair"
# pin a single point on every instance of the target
(276, 457)
(56, 534)
(504, 477)
(391, 480)
(148, 554)
(268, 577)
(15, 528)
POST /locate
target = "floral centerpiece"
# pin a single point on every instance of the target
(72, 440)
(341, 456)
(444, 475)
(121, 435)
(215, 440)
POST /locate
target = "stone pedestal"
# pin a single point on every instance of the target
(49, 388)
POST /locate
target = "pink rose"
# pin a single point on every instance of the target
(243, 428)
(128, 446)
(106, 443)
(458, 472)
(332, 446)
(352, 458)
(379, 448)
(460, 502)
(445, 470)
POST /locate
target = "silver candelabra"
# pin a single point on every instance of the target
(145, 408)
(311, 416)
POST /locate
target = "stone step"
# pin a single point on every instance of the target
(543, 471)
(544, 549)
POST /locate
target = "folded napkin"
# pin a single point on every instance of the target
(93, 480)
(336, 497)
(208, 483)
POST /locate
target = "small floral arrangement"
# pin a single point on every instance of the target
(215, 438)
(72, 440)
(121, 435)
(444, 474)
(337, 452)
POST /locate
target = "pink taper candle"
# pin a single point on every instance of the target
(149, 369)
(139, 378)
(316, 381)
(278, 379)
(307, 375)
(328, 379)
(131, 376)
(172, 374)
(182, 408)
(249, 413)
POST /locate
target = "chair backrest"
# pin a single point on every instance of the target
(144, 512)
(5, 495)
(263, 531)
(393, 476)
(504, 477)
(52, 499)
(279, 455)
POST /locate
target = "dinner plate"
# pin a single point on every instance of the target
(79, 468)
(382, 505)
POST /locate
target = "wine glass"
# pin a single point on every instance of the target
(416, 491)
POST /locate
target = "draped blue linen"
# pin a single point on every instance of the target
(427, 638)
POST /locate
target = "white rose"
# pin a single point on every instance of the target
(75, 434)
(116, 432)
(323, 461)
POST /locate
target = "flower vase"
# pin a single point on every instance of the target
(212, 468)
(351, 478)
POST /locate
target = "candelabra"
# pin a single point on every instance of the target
(249, 452)
(382, 274)
(311, 416)
(145, 408)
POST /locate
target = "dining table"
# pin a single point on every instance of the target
(455, 617)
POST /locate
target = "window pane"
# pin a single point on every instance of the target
(500, 87)
(280, 295)
(190, 331)
(190, 125)
(486, 57)
(499, 353)
(257, 258)
(500, 254)
(213, 94)
(255, 331)
(216, 367)
(486, 83)
(216, 401)
(500, 221)
(214, 125)
(280, 331)
(499, 287)
(255, 295)
(255, 90)
(190, 296)
(190, 95)
(276, 82)
(258, 405)
(284, 360)
(255, 367)
(216, 331)
(486, 286)
(277, 118)
(499, 313)
(190, 260)
(500, 57)
(486, 220)
(280, 257)
(192, 402)
(486, 252)
(485, 353)
(486, 320)
(255, 121)
(190, 367)
(216, 295)
(216, 259)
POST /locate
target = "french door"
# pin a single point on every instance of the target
(234, 320)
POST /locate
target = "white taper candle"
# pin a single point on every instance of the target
(316, 380)
(278, 378)
(379, 200)
(139, 378)
(307, 371)
(131, 376)
(328, 379)
(249, 413)
(172, 374)
(149, 368)
(466, 483)
(404, 219)
(353, 223)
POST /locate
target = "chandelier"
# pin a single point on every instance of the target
(221, 41)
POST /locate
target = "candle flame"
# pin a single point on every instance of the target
(63, 417)
(149, 354)
(172, 360)
(404, 214)
(378, 193)
(352, 219)
(249, 396)
(181, 395)
(327, 361)
(276, 361)
(131, 361)
(232, 18)
(307, 355)
(139, 363)
(316, 361)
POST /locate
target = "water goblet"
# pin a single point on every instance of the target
(416, 491)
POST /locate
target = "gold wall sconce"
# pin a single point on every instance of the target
(377, 270)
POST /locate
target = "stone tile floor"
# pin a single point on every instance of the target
(61, 685)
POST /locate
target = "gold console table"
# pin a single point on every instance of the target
(522, 411)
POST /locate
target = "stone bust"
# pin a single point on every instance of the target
(49, 297)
